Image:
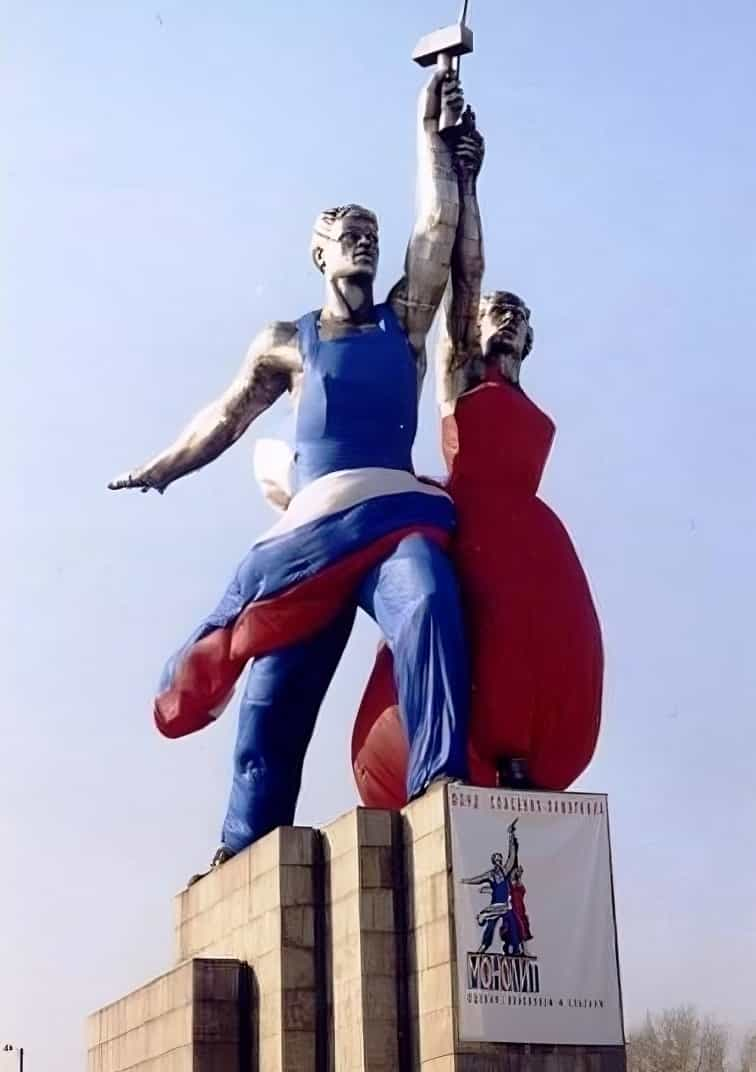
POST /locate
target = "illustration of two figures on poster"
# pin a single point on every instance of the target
(503, 881)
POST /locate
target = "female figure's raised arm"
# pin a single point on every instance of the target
(458, 346)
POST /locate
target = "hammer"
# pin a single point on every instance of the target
(441, 47)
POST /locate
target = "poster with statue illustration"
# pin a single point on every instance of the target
(534, 913)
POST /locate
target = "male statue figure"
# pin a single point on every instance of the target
(360, 530)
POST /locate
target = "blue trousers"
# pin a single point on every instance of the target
(509, 932)
(413, 596)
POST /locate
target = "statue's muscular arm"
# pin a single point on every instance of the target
(513, 849)
(418, 294)
(272, 365)
(458, 348)
(478, 880)
(511, 854)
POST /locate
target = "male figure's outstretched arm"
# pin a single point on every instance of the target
(269, 369)
(418, 294)
(478, 880)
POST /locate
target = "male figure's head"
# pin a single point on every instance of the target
(345, 242)
(505, 330)
(497, 860)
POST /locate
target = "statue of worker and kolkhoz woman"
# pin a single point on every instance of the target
(491, 670)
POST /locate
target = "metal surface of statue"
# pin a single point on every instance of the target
(459, 341)
(360, 529)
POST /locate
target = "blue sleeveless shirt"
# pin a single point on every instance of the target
(358, 402)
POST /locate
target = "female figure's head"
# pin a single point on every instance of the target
(506, 337)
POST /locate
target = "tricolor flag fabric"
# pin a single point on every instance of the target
(295, 579)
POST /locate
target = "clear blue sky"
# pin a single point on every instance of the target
(162, 165)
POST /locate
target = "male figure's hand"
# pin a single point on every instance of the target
(444, 88)
(139, 478)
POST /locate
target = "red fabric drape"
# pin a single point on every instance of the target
(535, 639)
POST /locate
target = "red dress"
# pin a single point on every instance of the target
(535, 639)
(517, 895)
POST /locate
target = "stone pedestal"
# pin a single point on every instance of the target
(361, 966)
(185, 1020)
(319, 951)
(432, 967)
(261, 908)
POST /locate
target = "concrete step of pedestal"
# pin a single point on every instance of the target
(261, 907)
(188, 1020)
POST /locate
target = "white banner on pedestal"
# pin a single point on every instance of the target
(534, 916)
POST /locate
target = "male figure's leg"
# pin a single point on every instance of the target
(281, 701)
(414, 598)
(488, 936)
(510, 934)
